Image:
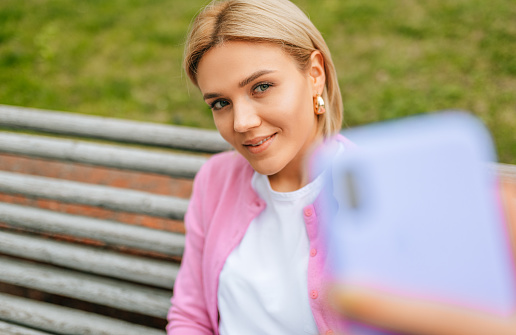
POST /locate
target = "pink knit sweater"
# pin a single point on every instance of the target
(222, 206)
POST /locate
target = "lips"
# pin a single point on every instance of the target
(259, 144)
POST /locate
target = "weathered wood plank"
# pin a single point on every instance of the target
(171, 164)
(110, 232)
(95, 195)
(10, 329)
(507, 171)
(108, 292)
(112, 129)
(65, 321)
(89, 259)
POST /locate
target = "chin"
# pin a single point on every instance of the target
(265, 170)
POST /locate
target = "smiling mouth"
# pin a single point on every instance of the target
(261, 142)
(260, 146)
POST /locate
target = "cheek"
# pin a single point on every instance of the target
(224, 124)
(296, 104)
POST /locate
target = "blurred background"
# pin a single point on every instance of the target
(122, 58)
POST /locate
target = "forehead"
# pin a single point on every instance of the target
(230, 62)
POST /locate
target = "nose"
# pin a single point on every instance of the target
(245, 117)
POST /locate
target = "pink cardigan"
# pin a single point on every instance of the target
(222, 206)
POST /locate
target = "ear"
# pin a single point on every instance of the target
(317, 72)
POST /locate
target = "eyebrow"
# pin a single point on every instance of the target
(254, 76)
(243, 83)
(211, 96)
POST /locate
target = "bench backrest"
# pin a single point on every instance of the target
(78, 254)
(60, 240)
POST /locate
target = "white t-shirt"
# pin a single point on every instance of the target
(263, 285)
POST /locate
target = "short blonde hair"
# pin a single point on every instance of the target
(270, 21)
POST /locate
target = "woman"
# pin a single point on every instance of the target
(254, 258)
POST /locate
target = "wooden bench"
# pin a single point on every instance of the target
(63, 273)
(100, 276)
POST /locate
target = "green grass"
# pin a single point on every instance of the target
(122, 58)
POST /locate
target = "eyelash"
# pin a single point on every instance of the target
(212, 105)
(268, 84)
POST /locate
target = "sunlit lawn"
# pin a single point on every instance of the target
(122, 58)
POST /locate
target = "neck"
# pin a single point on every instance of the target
(286, 181)
(295, 175)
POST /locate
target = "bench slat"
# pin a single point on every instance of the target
(88, 259)
(63, 320)
(95, 195)
(10, 329)
(110, 232)
(171, 164)
(507, 171)
(108, 292)
(118, 130)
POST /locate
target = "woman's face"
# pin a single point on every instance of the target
(262, 104)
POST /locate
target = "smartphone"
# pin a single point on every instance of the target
(416, 213)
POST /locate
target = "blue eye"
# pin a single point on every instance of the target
(262, 88)
(219, 104)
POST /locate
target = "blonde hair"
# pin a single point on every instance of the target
(270, 21)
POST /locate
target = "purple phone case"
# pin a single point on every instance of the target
(417, 213)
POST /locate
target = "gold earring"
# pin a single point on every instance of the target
(319, 105)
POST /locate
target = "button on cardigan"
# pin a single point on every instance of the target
(222, 206)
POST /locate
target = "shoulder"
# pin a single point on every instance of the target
(225, 164)
(229, 159)
(347, 143)
(222, 183)
(326, 152)
(225, 169)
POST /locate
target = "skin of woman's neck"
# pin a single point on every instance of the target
(289, 181)
(296, 174)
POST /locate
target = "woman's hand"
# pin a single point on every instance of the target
(412, 316)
